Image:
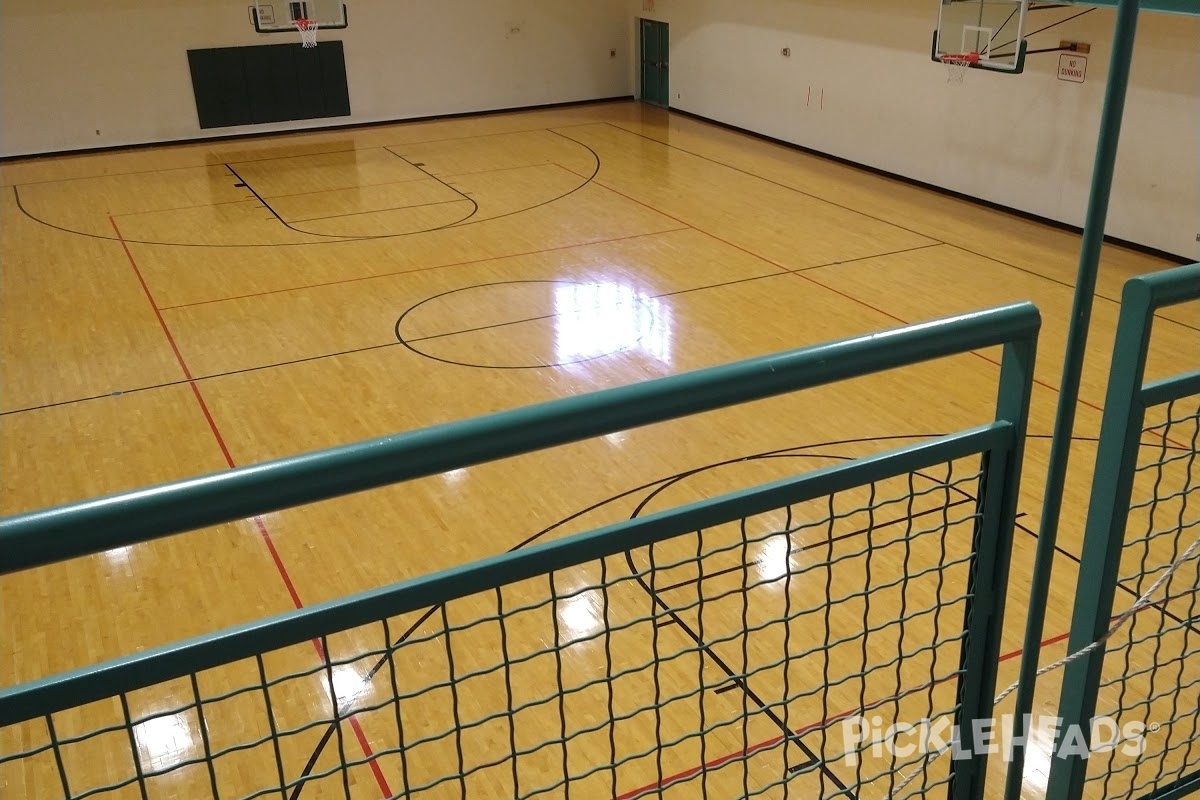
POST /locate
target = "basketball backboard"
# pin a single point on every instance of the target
(279, 16)
(993, 29)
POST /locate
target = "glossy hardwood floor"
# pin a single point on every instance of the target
(187, 309)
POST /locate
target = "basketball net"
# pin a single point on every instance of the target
(308, 31)
(957, 65)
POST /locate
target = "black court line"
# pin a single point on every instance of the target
(340, 237)
(134, 148)
(935, 242)
(773, 182)
(268, 207)
(381, 210)
(332, 240)
(367, 348)
(575, 125)
(384, 183)
(189, 208)
(558, 248)
(595, 172)
(408, 342)
(587, 181)
(343, 188)
(421, 167)
(658, 296)
(1158, 314)
(261, 198)
(348, 710)
(788, 735)
(1192, 624)
(859, 212)
(103, 175)
(811, 545)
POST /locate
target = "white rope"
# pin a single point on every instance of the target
(1142, 602)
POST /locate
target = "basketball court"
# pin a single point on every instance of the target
(186, 309)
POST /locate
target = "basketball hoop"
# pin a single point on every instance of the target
(308, 31)
(957, 65)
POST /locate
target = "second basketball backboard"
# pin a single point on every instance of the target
(994, 30)
(279, 16)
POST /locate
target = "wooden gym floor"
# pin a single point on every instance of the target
(186, 309)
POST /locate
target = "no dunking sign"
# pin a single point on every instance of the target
(1072, 67)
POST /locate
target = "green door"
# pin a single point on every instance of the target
(655, 86)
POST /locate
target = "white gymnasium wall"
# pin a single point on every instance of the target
(1025, 142)
(94, 73)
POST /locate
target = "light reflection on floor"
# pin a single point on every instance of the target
(594, 319)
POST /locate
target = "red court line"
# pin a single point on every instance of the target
(747, 752)
(1081, 400)
(800, 274)
(174, 347)
(706, 766)
(262, 528)
(423, 269)
(619, 193)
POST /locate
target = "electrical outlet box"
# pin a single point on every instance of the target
(786, 52)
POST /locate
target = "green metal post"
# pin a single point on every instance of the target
(989, 579)
(1085, 287)
(1108, 511)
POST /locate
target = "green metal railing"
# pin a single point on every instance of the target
(1184, 7)
(1143, 521)
(470, 680)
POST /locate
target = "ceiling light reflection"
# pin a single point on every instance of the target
(164, 741)
(580, 616)
(616, 439)
(454, 475)
(1036, 774)
(774, 559)
(348, 683)
(595, 319)
(118, 556)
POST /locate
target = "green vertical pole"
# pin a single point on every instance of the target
(1085, 287)
(1108, 512)
(984, 616)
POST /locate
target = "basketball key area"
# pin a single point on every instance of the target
(249, 300)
